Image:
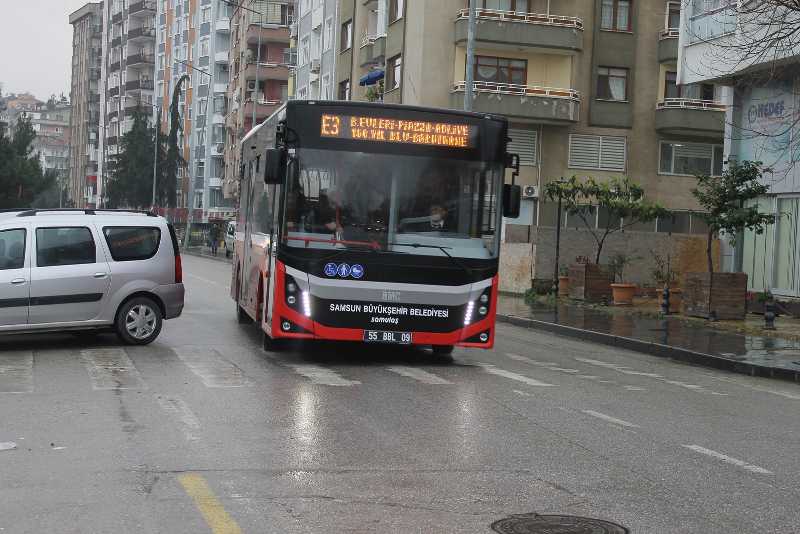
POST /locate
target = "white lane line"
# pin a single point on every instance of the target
(655, 376)
(729, 460)
(772, 391)
(180, 411)
(513, 376)
(111, 369)
(418, 374)
(322, 376)
(522, 393)
(604, 417)
(212, 368)
(16, 372)
(206, 280)
(550, 366)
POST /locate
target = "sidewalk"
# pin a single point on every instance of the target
(670, 337)
(205, 252)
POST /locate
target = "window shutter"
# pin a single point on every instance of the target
(584, 151)
(524, 143)
(691, 150)
(612, 153)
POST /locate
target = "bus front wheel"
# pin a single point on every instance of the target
(271, 344)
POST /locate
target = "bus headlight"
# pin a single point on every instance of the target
(484, 298)
(307, 303)
(468, 314)
(483, 310)
(291, 299)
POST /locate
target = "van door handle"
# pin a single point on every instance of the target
(18, 281)
(100, 275)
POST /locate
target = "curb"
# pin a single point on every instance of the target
(655, 349)
(197, 254)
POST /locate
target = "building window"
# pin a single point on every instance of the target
(525, 144)
(673, 21)
(204, 47)
(612, 84)
(395, 10)
(325, 94)
(347, 36)
(501, 70)
(597, 152)
(328, 34)
(671, 87)
(394, 72)
(616, 15)
(344, 90)
(305, 51)
(690, 159)
(520, 6)
(205, 14)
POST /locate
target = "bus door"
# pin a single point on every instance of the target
(274, 194)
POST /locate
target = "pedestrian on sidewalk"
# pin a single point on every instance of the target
(214, 234)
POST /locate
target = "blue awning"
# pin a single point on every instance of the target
(371, 78)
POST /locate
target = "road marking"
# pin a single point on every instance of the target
(178, 409)
(635, 388)
(771, 391)
(213, 512)
(610, 419)
(729, 460)
(111, 369)
(16, 372)
(655, 376)
(522, 393)
(513, 376)
(419, 375)
(212, 368)
(551, 366)
(206, 280)
(322, 376)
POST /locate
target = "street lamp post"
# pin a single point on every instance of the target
(558, 238)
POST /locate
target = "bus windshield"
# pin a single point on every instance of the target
(390, 203)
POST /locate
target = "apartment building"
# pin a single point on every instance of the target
(314, 34)
(194, 39)
(260, 61)
(722, 42)
(589, 87)
(52, 126)
(128, 63)
(87, 54)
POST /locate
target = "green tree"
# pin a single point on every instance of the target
(21, 176)
(49, 198)
(130, 183)
(173, 159)
(622, 201)
(725, 201)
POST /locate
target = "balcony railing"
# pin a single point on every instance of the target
(133, 85)
(520, 90)
(525, 18)
(143, 5)
(690, 103)
(368, 39)
(143, 31)
(138, 59)
(669, 33)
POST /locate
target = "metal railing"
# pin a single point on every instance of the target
(690, 103)
(142, 31)
(368, 39)
(525, 18)
(520, 90)
(669, 33)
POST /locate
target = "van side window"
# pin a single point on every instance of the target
(12, 249)
(132, 243)
(64, 246)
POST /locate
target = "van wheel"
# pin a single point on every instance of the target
(139, 321)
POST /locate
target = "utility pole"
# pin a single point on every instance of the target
(470, 56)
(157, 132)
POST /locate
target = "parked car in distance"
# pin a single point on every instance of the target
(78, 270)
(230, 238)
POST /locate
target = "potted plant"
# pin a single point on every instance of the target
(728, 209)
(563, 282)
(666, 279)
(623, 204)
(621, 291)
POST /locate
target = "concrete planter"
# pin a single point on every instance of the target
(590, 282)
(623, 294)
(563, 286)
(722, 295)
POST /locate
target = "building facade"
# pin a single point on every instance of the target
(126, 77)
(87, 54)
(589, 87)
(314, 34)
(52, 126)
(726, 43)
(194, 40)
(260, 61)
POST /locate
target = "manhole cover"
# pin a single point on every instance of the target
(555, 524)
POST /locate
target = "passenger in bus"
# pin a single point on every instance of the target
(436, 221)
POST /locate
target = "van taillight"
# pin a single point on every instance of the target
(178, 269)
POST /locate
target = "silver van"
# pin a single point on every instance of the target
(88, 269)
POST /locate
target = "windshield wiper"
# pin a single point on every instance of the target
(440, 247)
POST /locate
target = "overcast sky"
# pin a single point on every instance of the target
(36, 46)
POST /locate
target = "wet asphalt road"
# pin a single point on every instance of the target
(204, 432)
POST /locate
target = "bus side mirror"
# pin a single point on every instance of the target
(512, 198)
(274, 166)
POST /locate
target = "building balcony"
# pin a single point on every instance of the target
(221, 57)
(266, 71)
(512, 30)
(264, 109)
(139, 85)
(668, 45)
(112, 140)
(112, 92)
(113, 67)
(685, 116)
(147, 7)
(223, 25)
(270, 33)
(220, 87)
(548, 105)
(143, 33)
(112, 115)
(215, 183)
(373, 50)
(116, 41)
(116, 18)
(140, 60)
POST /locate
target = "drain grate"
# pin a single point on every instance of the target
(555, 524)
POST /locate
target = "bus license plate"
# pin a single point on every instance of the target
(377, 336)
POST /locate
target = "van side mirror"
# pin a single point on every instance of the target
(274, 166)
(512, 199)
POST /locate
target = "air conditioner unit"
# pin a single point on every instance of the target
(251, 86)
(530, 191)
(314, 65)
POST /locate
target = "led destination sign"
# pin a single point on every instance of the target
(402, 131)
